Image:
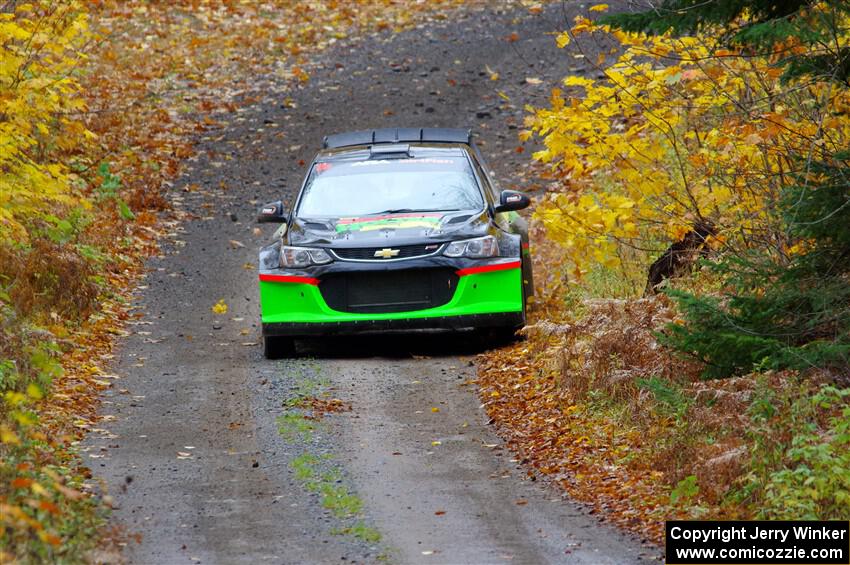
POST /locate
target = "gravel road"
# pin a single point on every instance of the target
(193, 449)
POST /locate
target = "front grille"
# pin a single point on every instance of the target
(404, 252)
(388, 291)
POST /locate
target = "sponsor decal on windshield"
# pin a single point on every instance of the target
(393, 221)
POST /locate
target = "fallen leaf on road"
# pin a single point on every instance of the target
(220, 307)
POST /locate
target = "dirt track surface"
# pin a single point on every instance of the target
(191, 449)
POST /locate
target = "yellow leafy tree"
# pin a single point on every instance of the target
(40, 102)
(677, 132)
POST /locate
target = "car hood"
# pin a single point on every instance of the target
(388, 229)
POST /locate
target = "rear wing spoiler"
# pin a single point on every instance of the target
(398, 135)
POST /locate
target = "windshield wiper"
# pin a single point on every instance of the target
(392, 211)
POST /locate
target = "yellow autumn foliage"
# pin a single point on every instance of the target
(40, 102)
(678, 131)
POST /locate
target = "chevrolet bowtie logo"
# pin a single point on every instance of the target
(386, 253)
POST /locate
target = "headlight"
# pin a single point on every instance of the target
(487, 246)
(302, 256)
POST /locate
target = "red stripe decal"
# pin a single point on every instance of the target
(289, 279)
(489, 268)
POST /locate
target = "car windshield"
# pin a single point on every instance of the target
(360, 188)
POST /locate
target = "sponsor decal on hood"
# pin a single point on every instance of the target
(392, 221)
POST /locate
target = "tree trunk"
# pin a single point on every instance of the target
(678, 260)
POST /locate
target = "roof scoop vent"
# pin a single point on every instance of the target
(389, 151)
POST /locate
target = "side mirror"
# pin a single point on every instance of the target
(511, 200)
(272, 213)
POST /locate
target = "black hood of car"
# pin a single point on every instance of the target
(381, 230)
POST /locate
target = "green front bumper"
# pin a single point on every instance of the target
(480, 297)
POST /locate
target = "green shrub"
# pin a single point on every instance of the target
(685, 491)
(800, 466)
(815, 482)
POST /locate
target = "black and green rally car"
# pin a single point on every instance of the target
(394, 229)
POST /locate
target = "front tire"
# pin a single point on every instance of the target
(278, 347)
